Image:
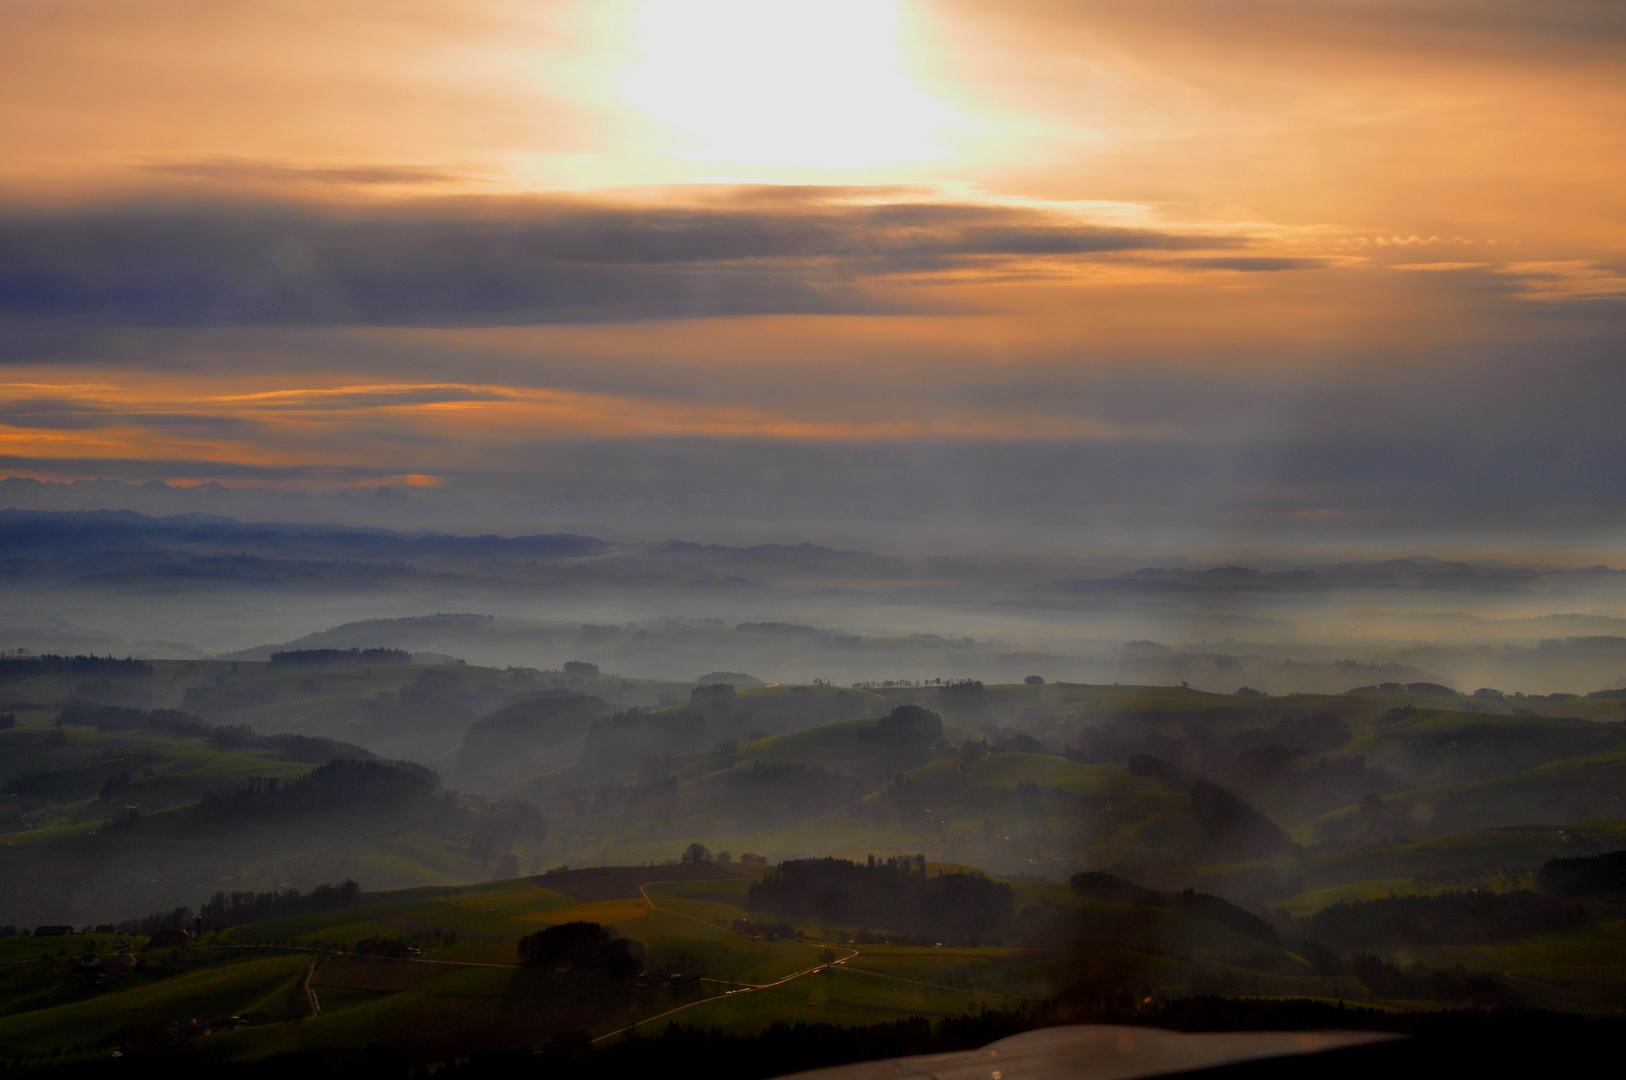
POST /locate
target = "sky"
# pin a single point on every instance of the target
(1105, 276)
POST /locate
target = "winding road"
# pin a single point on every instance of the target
(750, 988)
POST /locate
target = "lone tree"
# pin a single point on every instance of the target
(696, 853)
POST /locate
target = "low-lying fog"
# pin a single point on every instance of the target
(194, 587)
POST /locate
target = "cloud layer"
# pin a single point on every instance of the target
(500, 260)
(1350, 270)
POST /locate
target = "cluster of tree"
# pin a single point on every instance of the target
(1394, 689)
(906, 725)
(1459, 917)
(712, 692)
(892, 894)
(1099, 885)
(181, 918)
(699, 853)
(8, 721)
(1423, 984)
(13, 667)
(355, 657)
(1586, 876)
(582, 946)
(233, 909)
(1019, 743)
(339, 783)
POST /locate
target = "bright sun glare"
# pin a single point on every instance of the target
(784, 82)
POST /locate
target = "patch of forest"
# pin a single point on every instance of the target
(1459, 917)
(1099, 885)
(337, 785)
(786, 787)
(304, 748)
(894, 894)
(234, 909)
(1586, 876)
(581, 947)
(354, 657)
(14, 668)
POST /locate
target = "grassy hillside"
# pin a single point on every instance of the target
(302, 982)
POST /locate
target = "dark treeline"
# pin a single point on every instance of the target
(337, 784)
(181, 918)
(1098, 885)
(893, 894)
(1461, 917)
(1440, 1043)
(1420, 984)
(342, 656)
(768, 1053)
(795, 787)
(13, 668)
(1587, 876)
(232, 909)
(311, 749)
(1531, 742)
(306, 748)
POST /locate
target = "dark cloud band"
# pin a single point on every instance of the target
(517, 260)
